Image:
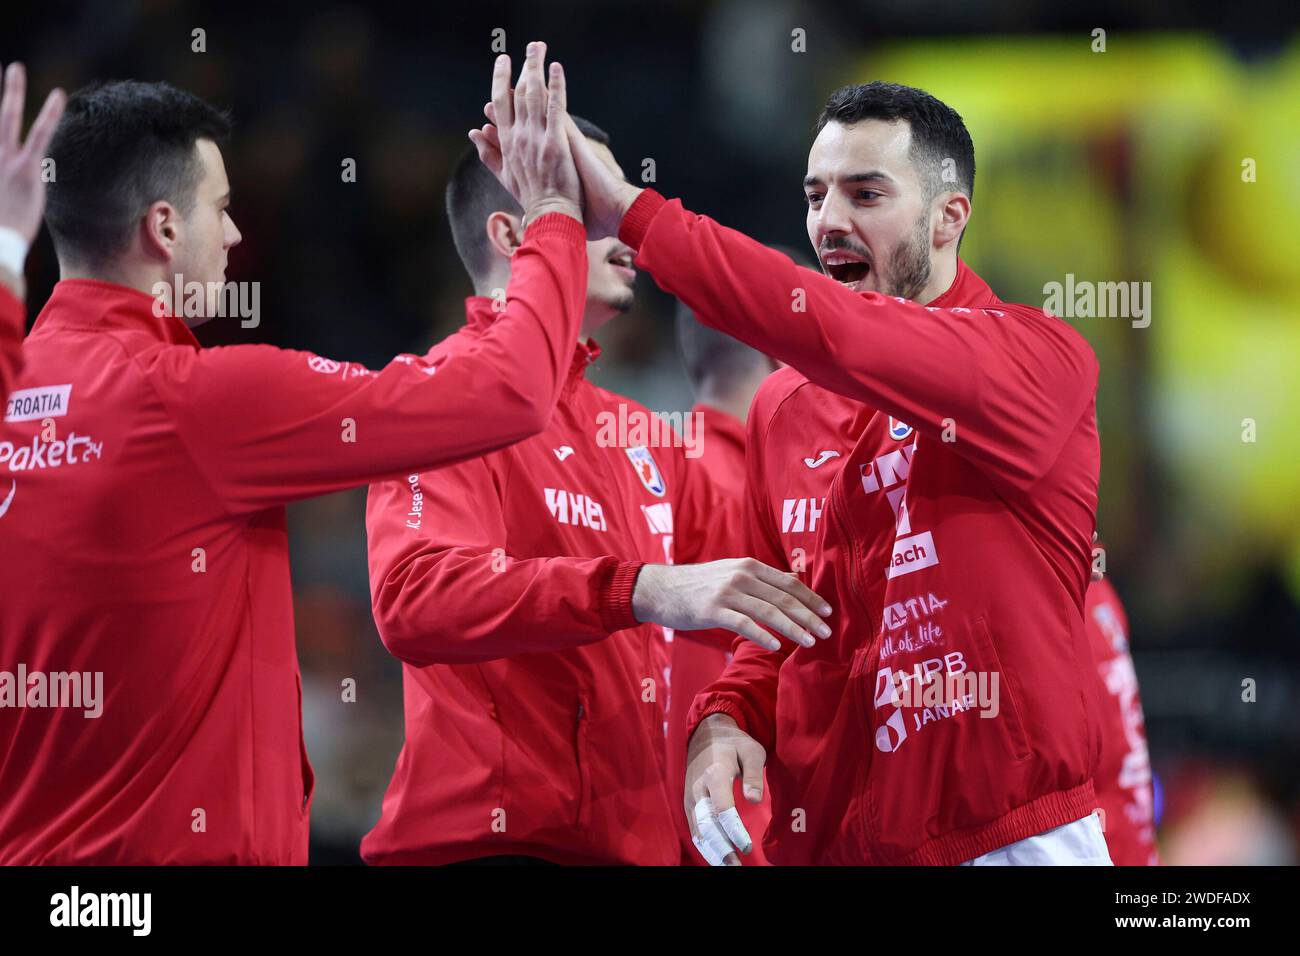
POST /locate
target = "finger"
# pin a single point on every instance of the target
(521, 88)
(804, 616)
(751, 777)
(47, 121)
(737, 623)
(535, 95)
(710, 855)
(773, 618)
(791, 584)
(557, 104)
(735, 830)
(503, 113)
(11, 105)
(712, 840)
(488, 155)
(491, 135)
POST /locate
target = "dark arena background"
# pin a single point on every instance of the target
(1139, 142)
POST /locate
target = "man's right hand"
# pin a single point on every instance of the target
(22, 190)
(526, 143)
(737, 594)
(719, 752)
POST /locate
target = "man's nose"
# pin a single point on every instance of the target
(833, 216)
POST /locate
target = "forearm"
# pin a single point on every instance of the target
(462, 605)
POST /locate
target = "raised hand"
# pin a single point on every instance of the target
(606, 196)
(738, 594)
(22, 191)
(526, 144)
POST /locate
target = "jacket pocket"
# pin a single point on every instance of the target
(582, 720)
(308, 775)
(1009, 709)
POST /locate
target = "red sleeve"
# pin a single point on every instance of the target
(746, 689)
(1013, 385)
(12, 318)
(266, 426)
(445, 590)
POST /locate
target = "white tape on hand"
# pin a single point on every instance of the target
(13, 250)
(711, 834)
(735, 830)
(706, 851)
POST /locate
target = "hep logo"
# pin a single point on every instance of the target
(891, 734)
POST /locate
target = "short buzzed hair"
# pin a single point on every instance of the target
(120, 147)
(938, 132)
(474, 193)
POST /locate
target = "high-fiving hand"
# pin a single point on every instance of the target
(510, 144)
(526, 145)
(22, 189)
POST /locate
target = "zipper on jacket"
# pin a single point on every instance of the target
(578, 735)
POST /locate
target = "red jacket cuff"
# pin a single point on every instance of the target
(616, 596)
(556, 224)
(706, 705)
(636, 221)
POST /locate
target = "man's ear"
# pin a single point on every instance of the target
(954, 213)
(504, 233)
(161, 230)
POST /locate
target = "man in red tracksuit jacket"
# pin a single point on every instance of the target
(150, 700)
(518, 590)
(951, 717)
(22, 199)
(725, 374)
(1123, 777)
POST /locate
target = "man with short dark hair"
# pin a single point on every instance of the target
(530, 594)
(930, 460)
(150, 701)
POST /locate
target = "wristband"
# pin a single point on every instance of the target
(13, 250)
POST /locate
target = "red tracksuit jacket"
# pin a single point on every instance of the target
(12, 317)
(145, 541)
(698, 657)
(952, 539)
(1123, 779)
(535, 703)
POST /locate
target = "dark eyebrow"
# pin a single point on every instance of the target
(874, 175)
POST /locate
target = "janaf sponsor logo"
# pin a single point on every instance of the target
(132, 911)
(938, 688)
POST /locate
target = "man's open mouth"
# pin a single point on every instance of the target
(622, 263)
(845, 267)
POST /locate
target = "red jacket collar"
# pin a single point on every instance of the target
(967, 291)
(479, 315)
(99, 306)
